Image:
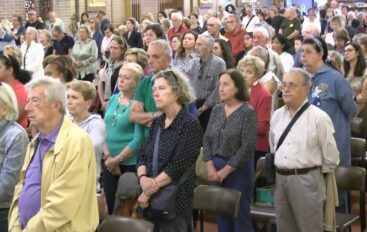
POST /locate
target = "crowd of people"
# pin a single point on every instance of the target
(82, 111)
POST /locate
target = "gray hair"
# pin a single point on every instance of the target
(86, 28)
(236, 17)
(263, 31)
(34, 30)
(305, 75)
(9, 100)
(178, 15)
(210, 41)
(57, 29)
(179, 83)
(260, 52)
(55, 91)
(164, 44)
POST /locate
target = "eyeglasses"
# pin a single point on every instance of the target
(289, 85)
(231, 22)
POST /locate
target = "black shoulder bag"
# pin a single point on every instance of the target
(163, 203)
(269, 157)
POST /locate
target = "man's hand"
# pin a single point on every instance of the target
(149, 185)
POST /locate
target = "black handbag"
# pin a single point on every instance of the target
(162, 205)
(270, 169)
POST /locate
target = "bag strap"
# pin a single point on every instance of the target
(155, 160)
(291, 123)
(249, 21)
(155, 152)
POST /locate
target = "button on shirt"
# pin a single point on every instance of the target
(30, 196)
(309, 143)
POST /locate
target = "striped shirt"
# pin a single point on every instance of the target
(204, 77)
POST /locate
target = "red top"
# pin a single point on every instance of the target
(236, 40)
(172, 31)
(261, 101)
(21, 94)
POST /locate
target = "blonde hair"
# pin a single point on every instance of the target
(135, 69)
(8, 100)
(255, 62)
(14, 51)
(141, 54)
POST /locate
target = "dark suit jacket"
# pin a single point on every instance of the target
(135, 40)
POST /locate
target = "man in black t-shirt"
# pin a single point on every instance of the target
(62, 43)
(33, 20)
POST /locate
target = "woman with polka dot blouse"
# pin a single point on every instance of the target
(229, 145)
(179, 146)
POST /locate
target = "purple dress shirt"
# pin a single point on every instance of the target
(30, 197)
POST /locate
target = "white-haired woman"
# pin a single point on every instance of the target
(13, 145)
(84, 54)
(180, 138)
(32, 53)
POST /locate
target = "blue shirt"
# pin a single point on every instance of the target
(30, 197)
(62, 47)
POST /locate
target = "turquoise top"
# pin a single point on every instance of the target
(120, 131)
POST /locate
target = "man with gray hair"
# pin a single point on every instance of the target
(143, 109)
(177, 26)
(301, 160)
(57, 189)
(62, 43)
(235, 33)
(204, 77)
(5, 39)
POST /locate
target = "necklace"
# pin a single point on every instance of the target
(117, 113)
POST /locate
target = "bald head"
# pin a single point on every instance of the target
(310, 30)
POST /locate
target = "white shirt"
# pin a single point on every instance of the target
(263, 80)
(32, 58)
(329, 38)
(250, 27)
(309, 143)
(287, 61)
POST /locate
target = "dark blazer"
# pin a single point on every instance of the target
(135, 40)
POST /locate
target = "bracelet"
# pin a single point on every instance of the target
(141, 176)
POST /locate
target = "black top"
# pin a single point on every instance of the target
(276, 22)
(135, 40)
(62, 47)
(179, 148)
(38, 25)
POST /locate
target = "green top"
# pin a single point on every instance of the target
(289, 26)
(144, 94)
(120, 132)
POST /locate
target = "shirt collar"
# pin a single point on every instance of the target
(51, 137)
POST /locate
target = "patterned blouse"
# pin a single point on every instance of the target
(179, 147)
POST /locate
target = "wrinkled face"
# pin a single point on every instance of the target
(163, 94)
(38, 108)
(201, 47)
(293, 88)
(76, 104)
(175, 21)
(350, 54)
(189, 41)
(231, 24)
(227, 88)
(157, 59)
(126, 81)
(249, 75)
(259, 39)
(175, 44)
(212, 26)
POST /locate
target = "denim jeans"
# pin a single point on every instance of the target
(241, 180)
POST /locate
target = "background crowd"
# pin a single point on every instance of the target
(170, 84)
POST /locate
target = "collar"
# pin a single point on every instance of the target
(175, 121)
(51, 137)
(205, 62)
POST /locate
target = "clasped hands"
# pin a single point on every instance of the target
(218, 176)
(150, 186)
(112, 165)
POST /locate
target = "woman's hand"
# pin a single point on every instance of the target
(149, 185)
(224, 172)
(143, 200)
(112, 163)
(212, 173)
